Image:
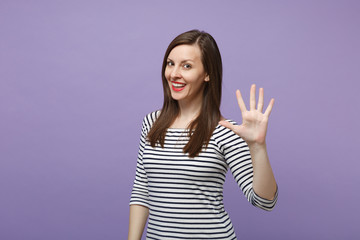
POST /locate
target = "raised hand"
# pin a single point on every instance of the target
(254, 126)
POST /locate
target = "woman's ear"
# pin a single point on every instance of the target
(207, 78)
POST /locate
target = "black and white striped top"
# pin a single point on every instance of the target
(185, 195)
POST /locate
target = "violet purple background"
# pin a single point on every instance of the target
(77, 77)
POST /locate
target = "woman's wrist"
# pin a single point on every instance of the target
(257, 146)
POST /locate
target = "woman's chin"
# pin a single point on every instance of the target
(177, 96)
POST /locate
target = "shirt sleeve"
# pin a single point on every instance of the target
(140, 194)
(237, 156)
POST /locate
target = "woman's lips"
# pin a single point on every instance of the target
(177, 86)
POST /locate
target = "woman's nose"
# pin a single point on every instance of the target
(175, 73)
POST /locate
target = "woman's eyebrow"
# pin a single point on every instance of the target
(185, 60)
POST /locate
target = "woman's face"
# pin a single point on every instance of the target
(185, 73)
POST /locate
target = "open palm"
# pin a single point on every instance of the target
(254, 126)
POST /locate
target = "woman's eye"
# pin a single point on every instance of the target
(169, 63)
(187, 66)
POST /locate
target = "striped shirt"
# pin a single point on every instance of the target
(185, 195)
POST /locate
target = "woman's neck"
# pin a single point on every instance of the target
(189, 110)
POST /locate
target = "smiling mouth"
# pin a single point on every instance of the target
(177, 86)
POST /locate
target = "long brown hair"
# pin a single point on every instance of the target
(200, 129)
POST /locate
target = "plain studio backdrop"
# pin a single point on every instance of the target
(77, 77)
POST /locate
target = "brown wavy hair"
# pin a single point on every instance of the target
(201, 128)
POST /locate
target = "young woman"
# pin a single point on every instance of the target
(187, 148)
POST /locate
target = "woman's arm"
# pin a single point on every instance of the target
(139, 205)
(253, 131)
(264, 183)
(137, 220)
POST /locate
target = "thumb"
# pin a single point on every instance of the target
(227, 125)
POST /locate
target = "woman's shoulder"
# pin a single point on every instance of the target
(150, 118)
